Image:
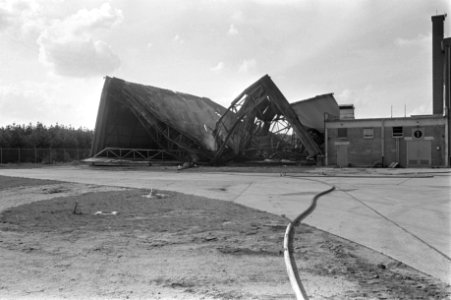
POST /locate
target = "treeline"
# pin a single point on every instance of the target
(41, 136)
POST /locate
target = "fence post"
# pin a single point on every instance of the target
(18, 155)
(50, 156)
(1, 156)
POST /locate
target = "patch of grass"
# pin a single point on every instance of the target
(175, 213)
(7, 182)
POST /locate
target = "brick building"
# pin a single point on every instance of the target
(417, 141)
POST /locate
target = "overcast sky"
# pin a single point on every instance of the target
(373, 54)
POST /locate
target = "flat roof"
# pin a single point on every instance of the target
(417, 117)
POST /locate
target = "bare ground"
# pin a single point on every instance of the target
(53, 245)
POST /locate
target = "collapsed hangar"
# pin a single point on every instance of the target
(146, 123)
(137, 122)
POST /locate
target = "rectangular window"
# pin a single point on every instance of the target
(397, 131)
(368, 133)
(342, 132)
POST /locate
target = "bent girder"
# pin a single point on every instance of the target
(256, 112)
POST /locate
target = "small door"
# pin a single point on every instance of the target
(418, 153)
(342, 156)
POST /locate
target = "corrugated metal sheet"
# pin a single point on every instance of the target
(311, 111)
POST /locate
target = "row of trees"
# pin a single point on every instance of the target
(41, 136)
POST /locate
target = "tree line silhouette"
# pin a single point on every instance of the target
(41, 136)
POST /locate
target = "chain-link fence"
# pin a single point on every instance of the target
(42, 155)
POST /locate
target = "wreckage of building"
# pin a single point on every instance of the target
(261, 124)
(140, 122)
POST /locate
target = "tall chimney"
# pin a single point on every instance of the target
(438, 57)
(447, 47)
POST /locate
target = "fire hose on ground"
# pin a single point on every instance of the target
(288, 252)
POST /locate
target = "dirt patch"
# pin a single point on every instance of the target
(179, 246)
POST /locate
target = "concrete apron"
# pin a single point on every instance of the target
(378, 213)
